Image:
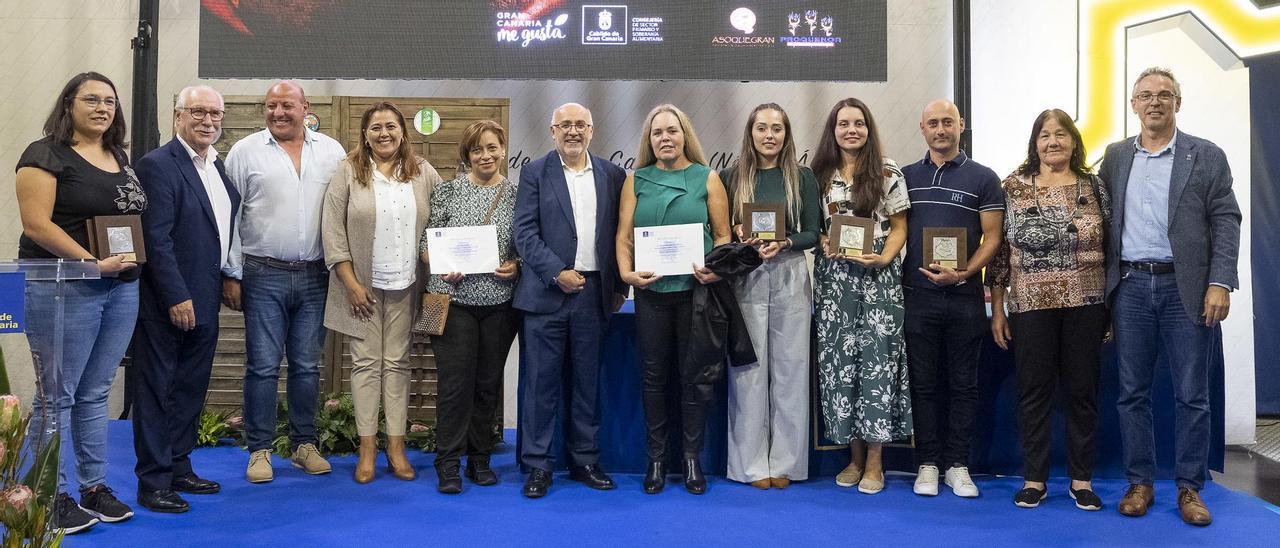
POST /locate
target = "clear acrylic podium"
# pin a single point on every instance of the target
(15, 275)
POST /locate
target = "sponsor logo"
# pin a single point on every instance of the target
(743, 20)
(520, 27)
(809, 29)
(604, 25)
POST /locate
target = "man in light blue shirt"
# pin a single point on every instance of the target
(276, 271)
(1171, 265)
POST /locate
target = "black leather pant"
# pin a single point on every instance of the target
(663, 326)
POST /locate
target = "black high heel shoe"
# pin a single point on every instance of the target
(655, 478)
(694, 481)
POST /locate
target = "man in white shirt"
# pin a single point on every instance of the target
(276, 273)
(565, 220)
(187, 225)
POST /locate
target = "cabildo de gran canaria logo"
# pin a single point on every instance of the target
(809, 29)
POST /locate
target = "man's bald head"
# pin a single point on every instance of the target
(285, 108)
(941, 125)
(571, 129)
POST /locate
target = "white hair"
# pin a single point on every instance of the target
(185, 95)
(567, 105)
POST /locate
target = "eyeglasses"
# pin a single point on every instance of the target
(94, 101)
(566, 126)
(1147, 96)
(199, 113)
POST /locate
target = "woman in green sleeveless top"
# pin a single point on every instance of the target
(672, 186)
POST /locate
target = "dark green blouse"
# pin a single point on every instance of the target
(673, 198)
(770, 189)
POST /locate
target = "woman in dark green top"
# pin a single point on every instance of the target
(672, 186)
(769, 400)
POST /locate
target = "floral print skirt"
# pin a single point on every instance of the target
(862, 358)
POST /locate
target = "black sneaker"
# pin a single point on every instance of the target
(1029, 497)
(70, 517)
(100, 501)
(1086, 499)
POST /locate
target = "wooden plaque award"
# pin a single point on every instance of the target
(946, 246)
(851, 236)
(117, 235)
(765, 221)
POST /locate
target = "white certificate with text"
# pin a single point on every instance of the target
(465, 249)
(668, 250)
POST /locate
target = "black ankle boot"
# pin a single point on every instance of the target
(655, 478)
(694, 481)
(479, 472)
(450, 482)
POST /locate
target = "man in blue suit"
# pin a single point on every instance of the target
(187, 233)
(1171, 267)
(565, 222)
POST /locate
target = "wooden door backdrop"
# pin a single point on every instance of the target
(339, 118)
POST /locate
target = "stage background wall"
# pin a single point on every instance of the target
(42, 43)
(1025, 60)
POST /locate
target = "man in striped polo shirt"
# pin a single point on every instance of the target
(946, 318)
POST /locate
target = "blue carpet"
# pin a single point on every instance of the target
(332, 510)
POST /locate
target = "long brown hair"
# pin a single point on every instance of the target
(361, 158)
(868, 162)
(744, 172)
(61, 126)
(1031, 166)
(692, 147)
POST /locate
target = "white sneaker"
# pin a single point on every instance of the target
(927, 481)
(958, 480)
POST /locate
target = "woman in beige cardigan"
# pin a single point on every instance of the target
(377, 203)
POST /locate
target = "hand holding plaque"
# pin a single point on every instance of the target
(766, 222)
(947, 247)
(117, 235)
(850, 236)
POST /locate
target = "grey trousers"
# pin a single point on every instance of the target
(769, 400)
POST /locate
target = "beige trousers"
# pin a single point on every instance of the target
(380, 364)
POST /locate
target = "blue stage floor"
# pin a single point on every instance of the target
(332, 510)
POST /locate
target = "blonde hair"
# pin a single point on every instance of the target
(692, 147)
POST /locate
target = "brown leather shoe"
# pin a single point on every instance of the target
(780, 483)
(1192, 508)
(397, 462)
(762, 483)
(368, 454)
(1137, 500)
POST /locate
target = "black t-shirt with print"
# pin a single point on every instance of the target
(83, 191)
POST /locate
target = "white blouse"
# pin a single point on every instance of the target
(395, 243)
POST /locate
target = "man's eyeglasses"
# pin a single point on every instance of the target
(94, 101)
(566, 126)
(1147, 96)
(199, 113)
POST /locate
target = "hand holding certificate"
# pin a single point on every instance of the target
(463, 249)
(669, 250)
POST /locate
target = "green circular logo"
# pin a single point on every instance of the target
(426, 121)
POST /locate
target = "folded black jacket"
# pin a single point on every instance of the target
(718, 326)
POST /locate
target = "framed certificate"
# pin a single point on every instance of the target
(765, 221)
(946, 246)
(117, 235)
(851, 236)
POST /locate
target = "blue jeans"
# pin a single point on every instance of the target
(283, 314)
(98, 320)
(1149, 319)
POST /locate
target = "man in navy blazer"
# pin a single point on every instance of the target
(1171, 267)
(187, 235)
(565, 222)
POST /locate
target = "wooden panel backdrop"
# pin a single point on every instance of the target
(340, 118)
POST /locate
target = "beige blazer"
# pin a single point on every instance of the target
(347, 225)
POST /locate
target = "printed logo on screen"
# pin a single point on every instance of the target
(809, 29)
(743, 20)
(520, 27)
(604, 25)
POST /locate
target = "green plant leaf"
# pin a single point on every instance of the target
(42, 478)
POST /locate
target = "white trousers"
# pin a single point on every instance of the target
(769, 400)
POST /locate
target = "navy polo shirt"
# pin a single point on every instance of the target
(950, 195)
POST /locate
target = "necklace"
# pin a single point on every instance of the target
(1075, 209)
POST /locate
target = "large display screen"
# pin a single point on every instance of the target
(780, 40)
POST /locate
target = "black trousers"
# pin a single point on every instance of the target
(944, 333)
(171, 369)
(470, 358)
(1058, 344)
(560, 369)
(663, 327)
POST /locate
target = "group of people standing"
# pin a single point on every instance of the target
(303, 236)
